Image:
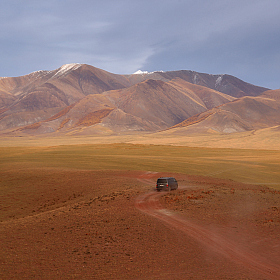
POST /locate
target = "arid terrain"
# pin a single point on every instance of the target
(81, 100)
(92, 212)
(81, 150)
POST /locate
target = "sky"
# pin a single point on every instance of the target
(239, 37)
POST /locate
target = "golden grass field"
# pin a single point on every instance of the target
(262, 139)
(241, 165)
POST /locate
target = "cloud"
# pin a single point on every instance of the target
(214, 36)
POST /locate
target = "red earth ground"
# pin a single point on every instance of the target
(121, 228)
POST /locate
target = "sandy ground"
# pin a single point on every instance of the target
(124, 229)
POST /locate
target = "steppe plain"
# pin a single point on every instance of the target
(81, 150)
(70, 208)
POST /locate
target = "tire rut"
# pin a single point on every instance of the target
(149, 203)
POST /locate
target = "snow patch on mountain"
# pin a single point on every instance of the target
(64, 69)
(218, 81)
(195, 79)
(39, 73)
(140, 72)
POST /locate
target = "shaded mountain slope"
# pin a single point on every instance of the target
(93, 114)
(157, 102)
(166, 103)
(227, 84)
(247, 113)
(208, 97)
(6, 99)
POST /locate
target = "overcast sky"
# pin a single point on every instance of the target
(239, 37)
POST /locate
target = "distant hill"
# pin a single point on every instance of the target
(244, 114)
(79, 98)
(148, 106)
(224, 83)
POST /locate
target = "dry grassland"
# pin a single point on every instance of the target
(247, 166)
(67, 211)
(262, 139)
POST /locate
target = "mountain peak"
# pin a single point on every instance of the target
(64, 69)
(140, 72)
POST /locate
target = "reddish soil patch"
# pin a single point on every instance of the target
(207, 229)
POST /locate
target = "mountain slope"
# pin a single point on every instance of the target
(272, 94)
(40, 95)
(209, 97)
(244, 114)
(227, 84)
(157, 102)
(81, 97)
(166, 103)
(6, 99)
(148, 106)
(82, 77)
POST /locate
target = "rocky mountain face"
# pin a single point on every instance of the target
(79, 98)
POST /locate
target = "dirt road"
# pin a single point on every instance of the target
(149, 204)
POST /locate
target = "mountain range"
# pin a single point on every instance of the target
(80, 99)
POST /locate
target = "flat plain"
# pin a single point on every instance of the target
(68, 211)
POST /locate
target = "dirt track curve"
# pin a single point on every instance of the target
(149, 204)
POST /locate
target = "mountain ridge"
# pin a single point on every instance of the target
(243, 114)
(99, 101)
